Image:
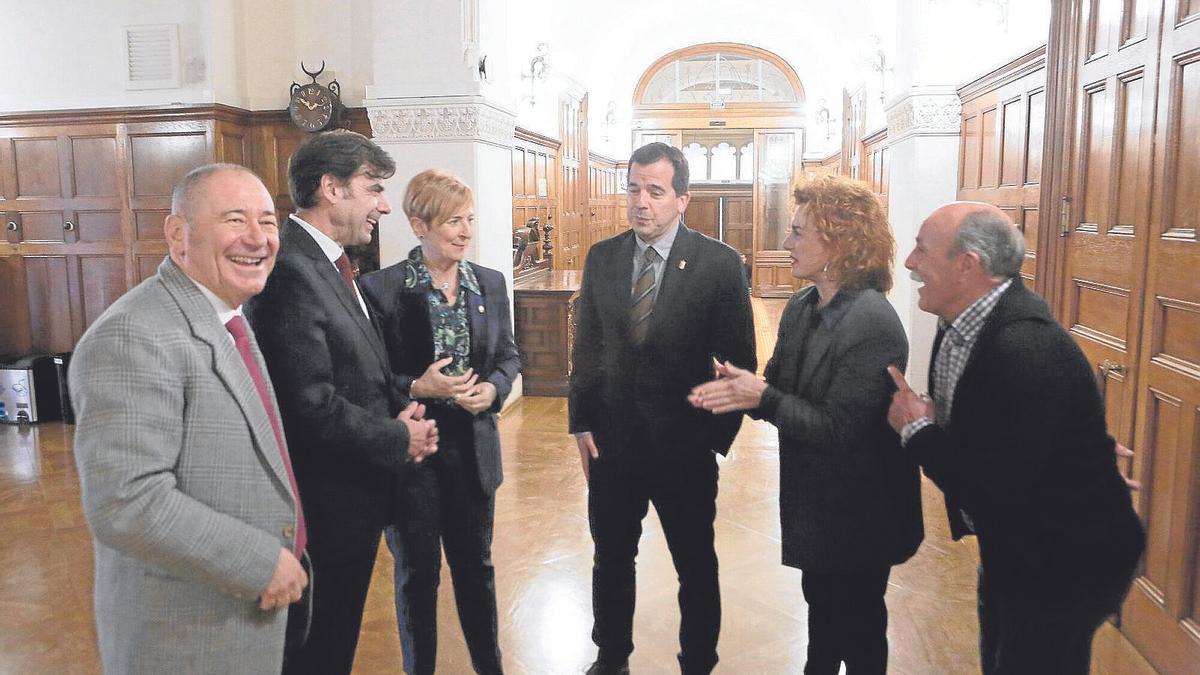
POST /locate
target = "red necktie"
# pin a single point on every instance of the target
(347, 271)
(237, 328)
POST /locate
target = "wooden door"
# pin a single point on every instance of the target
(704, 214)
(63, 201)
(1108, 224)
(777, 163)
(739, 224)
(572, 122)
(1162, 615)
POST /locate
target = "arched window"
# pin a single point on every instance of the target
(719, 74)
(746, 164)
(724, 162)
(697, 159)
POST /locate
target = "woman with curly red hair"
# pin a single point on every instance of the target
(849, 499)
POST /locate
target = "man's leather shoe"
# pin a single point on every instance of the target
(601, 667)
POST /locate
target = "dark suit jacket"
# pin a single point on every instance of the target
(404, 315)
(849, 499)
(702, 311)
(1027, 457)
(336, 391)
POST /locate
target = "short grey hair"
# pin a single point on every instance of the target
(183, 197)
(991, 236)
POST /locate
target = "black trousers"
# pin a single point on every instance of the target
(342, 559)
(1039, 634)
(683, 488)
(442, 505)
(847, 622)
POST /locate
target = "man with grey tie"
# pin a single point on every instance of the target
(658, 304)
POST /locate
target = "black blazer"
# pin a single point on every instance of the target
(849, 499)
(336, 392)
(1028, 458)
(404, 315)
(702, 311)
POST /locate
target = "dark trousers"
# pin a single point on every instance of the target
(342, 558)
(442, 505)
(1038, 633)
(683, 489)
(847, 622)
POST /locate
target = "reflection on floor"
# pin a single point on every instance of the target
(543, 561)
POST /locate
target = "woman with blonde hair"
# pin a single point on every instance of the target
(849, 498)
(449, 340)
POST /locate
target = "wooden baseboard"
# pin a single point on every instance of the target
(1112, 654)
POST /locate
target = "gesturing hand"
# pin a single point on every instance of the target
(433, 384)
(734, 389)
(907, 405)
(286, 584)
(422, 433)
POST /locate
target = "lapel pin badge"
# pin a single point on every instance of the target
(682, 264)
(481, 309)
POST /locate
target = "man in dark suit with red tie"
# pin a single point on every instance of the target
(658, 304)
(350, 428)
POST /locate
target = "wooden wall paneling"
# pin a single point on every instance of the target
(16, 336)
(158, 155)
(48, 288)
(1162, 615)
(534, 190)
(89, 191)
(1001, 146)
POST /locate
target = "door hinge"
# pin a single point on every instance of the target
(1064, 223)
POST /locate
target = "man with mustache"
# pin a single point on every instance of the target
(351, 427)
(1015, 437)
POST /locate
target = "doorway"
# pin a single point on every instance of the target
(736, 112)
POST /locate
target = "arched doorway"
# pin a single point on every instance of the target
(737, 112)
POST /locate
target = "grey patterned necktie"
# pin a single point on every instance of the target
(643, 297)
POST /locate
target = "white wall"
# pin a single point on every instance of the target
(246, 53)
(80, 63)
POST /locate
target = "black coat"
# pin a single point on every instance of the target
(702, 312)
(849, 499)
(1028, 458)
(407, 333)
(337, 395)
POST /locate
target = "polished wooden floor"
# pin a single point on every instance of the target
(543, 560)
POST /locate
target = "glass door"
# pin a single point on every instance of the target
(777, 165)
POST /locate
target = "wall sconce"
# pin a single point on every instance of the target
(825, 118)
(536, 72)
(877, 61)
(610, 121)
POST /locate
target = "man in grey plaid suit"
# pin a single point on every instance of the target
(185, 474)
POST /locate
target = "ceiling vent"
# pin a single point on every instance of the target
(151, 56)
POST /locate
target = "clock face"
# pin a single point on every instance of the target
(311, 107)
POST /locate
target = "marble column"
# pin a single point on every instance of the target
(431, 105)
(923, 139)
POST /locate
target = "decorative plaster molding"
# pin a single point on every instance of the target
(441, 120)
(934, 112)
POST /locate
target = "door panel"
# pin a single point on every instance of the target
(1106, 245)
(776, 167)
(1162, 615)
(703, 215)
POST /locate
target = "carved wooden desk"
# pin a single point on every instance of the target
(544, 318)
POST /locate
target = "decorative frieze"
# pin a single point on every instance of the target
(441, 120)
(924, 112)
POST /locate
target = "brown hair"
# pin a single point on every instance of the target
(851, 222)
(435, 195)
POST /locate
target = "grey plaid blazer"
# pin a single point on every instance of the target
(183, 486)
